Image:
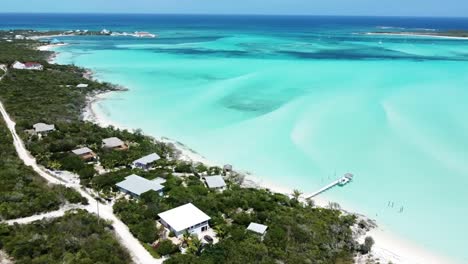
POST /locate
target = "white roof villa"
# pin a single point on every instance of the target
(82, 85)
(257, 228)
(41, 127)
(185, 218)
(112, 142)
(215, 182)
(146, 160)
(136, 185)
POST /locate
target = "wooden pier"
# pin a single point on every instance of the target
(341, 182)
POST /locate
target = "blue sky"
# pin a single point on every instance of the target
(313, 7)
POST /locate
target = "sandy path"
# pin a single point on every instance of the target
(136, 250)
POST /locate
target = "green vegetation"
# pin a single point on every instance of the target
(297, 233)
(78, 237)
(22, 191)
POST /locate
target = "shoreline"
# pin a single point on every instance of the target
(409, 34)
(388, 248)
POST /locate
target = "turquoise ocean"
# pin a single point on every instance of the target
(299, 101)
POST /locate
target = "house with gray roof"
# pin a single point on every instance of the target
(114, 143)
(43, 128)
(135, 186)
(85, 153)
(145, 162)
(258, 228)
(215, 182)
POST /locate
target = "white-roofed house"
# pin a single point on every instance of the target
(258, 228)
(215, 182)
(135, 186)
(85, 153)
(82, 85)
(114, 143)
(145, 162)
(185, 218)
(43, 128)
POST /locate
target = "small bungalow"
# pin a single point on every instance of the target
(258, 228)
(145, 162)
(114, 143)
(82, 85)
(27, 66)
(21, 37)
(135, 186)
(85, 153)
(215, 182)
(43, 128)
(185, 218)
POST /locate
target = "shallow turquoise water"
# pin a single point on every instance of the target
(296, 110)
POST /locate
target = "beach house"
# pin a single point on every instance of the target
(185, 218)
(215, 182)
(27, 66)
(114, 143)
(82, 85)
(85, 153)
(145, 162)
(41, 128)
(227, 168)
(258, 228)
(135, 186)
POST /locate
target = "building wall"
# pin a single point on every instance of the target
(197, 229)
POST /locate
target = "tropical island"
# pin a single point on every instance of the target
(104, 182)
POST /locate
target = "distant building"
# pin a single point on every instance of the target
(85, 153)
(20, 37)
(215, 182)
(136, 186)
(185, 218)
(27, 66)
(114, 143)
(258, 228)
(82, 85)
(145, 162)
(227, 168)
(43, 128)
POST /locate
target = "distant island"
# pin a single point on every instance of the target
(442, 34)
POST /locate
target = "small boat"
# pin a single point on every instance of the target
(345, 179)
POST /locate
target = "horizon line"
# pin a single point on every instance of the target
(228, 14)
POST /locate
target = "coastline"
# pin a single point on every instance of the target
(387, 249)
(409, 34)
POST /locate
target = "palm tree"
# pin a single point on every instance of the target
(186, 237)
(296, 194)
(220, 231)
(195, 246)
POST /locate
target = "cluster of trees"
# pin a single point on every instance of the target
(22, 191)
(297, 233)
(77, 237)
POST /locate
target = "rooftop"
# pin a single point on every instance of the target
(112, 142)
(183, 217)
(215, 181)
(82, 151)
(147, 159)
(42, 127)
(257, 228)
(138, 185)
